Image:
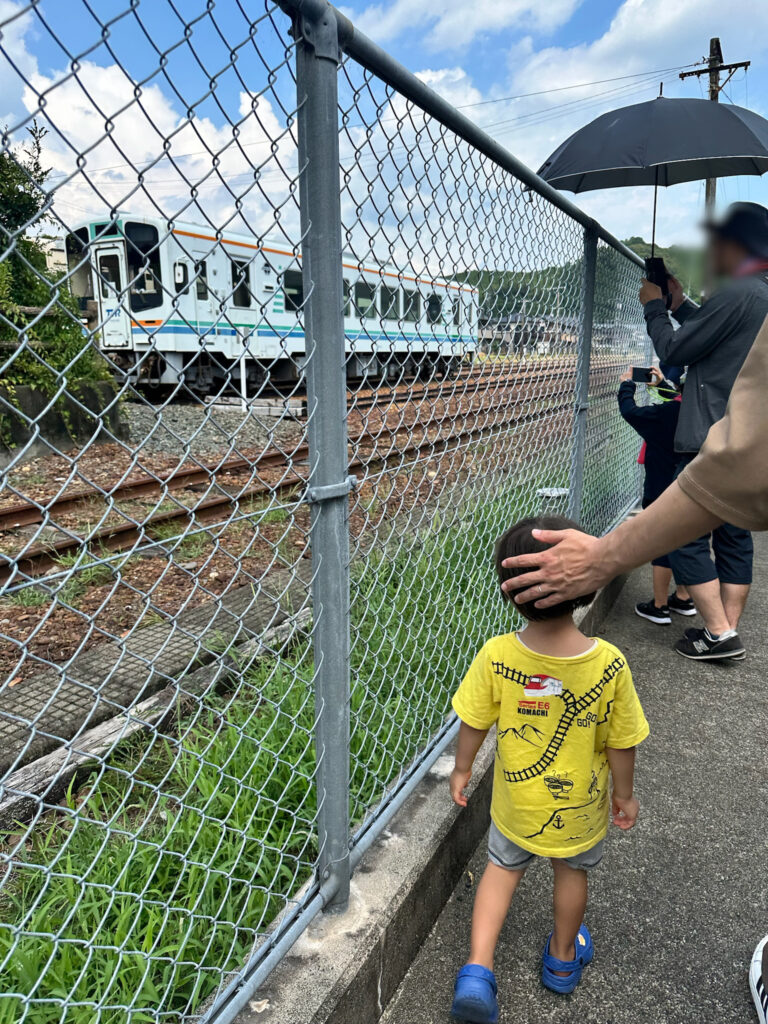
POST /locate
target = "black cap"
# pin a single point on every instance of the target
(745, 223)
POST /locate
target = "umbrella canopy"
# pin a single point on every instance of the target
(660, 142)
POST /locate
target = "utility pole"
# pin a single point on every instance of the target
(714, 68)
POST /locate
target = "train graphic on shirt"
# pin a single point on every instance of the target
(543, 686)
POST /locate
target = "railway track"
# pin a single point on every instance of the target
(131, 534)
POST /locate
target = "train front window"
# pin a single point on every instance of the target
(365, 298)
(81, 281)
(411, 306)
(293, 289)
(144, 276)
(109, 274)
(434, 309)
(389, 302)
(241, 292)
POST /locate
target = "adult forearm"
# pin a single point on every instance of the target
(672, 520)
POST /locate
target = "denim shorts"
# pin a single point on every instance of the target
(506, 854)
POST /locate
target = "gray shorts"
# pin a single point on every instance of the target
(506, 854)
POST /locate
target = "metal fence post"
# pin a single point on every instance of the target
(584, 358)
(317, 58)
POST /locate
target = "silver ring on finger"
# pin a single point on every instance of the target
(540, 589)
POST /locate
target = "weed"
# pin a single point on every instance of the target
(29, 597)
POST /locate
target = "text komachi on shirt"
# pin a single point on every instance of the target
(554, 717)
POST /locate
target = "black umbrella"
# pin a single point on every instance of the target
(660, 142)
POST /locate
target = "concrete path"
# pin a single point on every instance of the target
(679, 903)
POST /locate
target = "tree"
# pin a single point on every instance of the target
(39, 321)
(22, 176)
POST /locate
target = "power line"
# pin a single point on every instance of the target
(580, 85)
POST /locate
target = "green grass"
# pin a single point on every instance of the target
(168, 863)
(29, 597)
(82, 574)
(181, 545)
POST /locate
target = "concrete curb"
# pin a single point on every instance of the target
(347, 967)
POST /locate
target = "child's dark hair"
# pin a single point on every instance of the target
(519, 540)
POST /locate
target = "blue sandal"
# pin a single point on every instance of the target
(585, 950)
(474, 995)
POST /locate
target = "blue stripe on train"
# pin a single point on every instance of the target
(231, 332)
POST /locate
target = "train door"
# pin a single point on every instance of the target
(111, 278)
(202, 292)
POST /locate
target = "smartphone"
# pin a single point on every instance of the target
(642, 374)
(656, 273)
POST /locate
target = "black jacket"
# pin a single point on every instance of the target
(712, 342)
(656, 424)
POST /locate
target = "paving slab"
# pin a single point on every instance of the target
(679, 903)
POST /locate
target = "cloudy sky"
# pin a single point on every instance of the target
(529, 72)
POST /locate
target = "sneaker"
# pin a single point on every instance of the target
(758, 979)
(676, 604)
(700, 645)
(651, 611)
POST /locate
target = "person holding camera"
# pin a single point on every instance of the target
(656, 424)
(713, 341)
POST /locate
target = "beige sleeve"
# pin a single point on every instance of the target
(729, 477)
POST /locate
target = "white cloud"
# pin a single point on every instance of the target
(455, 24)
(643, 34)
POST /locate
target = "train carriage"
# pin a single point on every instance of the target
(178, 305)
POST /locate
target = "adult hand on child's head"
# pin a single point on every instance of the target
(459, 782)
(624, 811)
(571, 567)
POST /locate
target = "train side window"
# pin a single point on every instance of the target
(457, 311)
(241, 292)
(411, 306)
(293, 289)
(434, 309)
(181, 277)
(365, 299)
(389, 302)
(201, 282)
(347, 298)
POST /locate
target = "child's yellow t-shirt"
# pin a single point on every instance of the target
(554, 718)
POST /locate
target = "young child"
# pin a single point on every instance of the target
(566, 717)
(656, 424)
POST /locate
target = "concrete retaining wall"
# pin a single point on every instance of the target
(31, 422)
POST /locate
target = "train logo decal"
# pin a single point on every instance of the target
(543, 686)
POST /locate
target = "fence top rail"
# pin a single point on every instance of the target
(375, 59)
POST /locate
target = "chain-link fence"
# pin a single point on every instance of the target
(285, 342)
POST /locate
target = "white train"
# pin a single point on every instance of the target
(177, 304)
